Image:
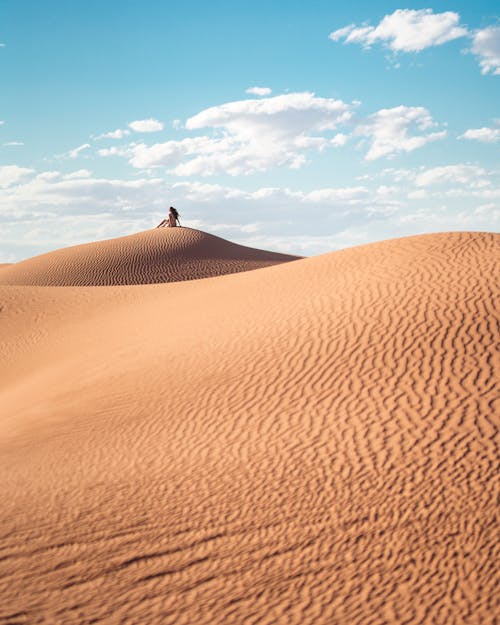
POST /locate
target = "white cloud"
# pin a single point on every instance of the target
(114, 151)
(389, 130)
(48, 175)
(119, 133)
(146, 125)
(346, 195)
(80, 173)
(260, 91)
(248, 136)
(202, 192)
(457, 180)
(75, 153)
(10, 143)
(486, 45)
(10, 174)
(288, 114)
(486, 135)
(43, 211)
(339, 139)
(471, 175)
(76, 193)
(259, 134)
(405, 30)
(420, 194)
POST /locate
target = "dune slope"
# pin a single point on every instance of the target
(158, 255)
(315, 442)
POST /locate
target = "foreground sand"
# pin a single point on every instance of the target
(314, 442)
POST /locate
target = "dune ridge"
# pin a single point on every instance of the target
(152, 256)
(314, 442)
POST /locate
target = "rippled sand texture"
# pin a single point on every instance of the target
(159, 255)
(314, 442)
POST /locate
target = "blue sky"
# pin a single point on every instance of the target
(370, 120)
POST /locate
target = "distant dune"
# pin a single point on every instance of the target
(158, 255)
(313, 442)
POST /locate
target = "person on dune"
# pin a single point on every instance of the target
(172, 220)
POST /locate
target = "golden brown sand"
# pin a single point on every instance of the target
(159, 255)
(314, 442)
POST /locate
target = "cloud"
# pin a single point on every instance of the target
(389, 130)
(11, 174)
(75, 153)
(10, 143)
(460, 180)
(339, 139)
(114, 151)
(486, 45)
(486, 135)
(203, 192)
(2, 45)
(46, 210)
(346, 195)
(80, 173)
(285, 115)
(261, 133)
(471, 175)
(146, 125)
(247, 136)
(261, 91)
(77, 193)
(405, 30)
(119, 133)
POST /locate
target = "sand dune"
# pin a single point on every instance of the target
(314, 442)
(158, 255)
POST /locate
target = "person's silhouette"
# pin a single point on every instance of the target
(172, 220)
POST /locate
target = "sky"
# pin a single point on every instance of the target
(301, 127)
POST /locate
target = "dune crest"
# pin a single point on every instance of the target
(152, 256)
(315, 443)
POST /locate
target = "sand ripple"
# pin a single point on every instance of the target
(315, 442)
(159, 255)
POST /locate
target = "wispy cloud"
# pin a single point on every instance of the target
(486, 45)
(471, 175)
(11, 143)
(75, 153)
(119, 133)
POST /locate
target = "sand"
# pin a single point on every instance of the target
(159, 255)
(312, 442)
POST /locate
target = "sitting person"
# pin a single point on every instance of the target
(172, 220)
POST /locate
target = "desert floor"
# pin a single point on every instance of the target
(303, 441)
